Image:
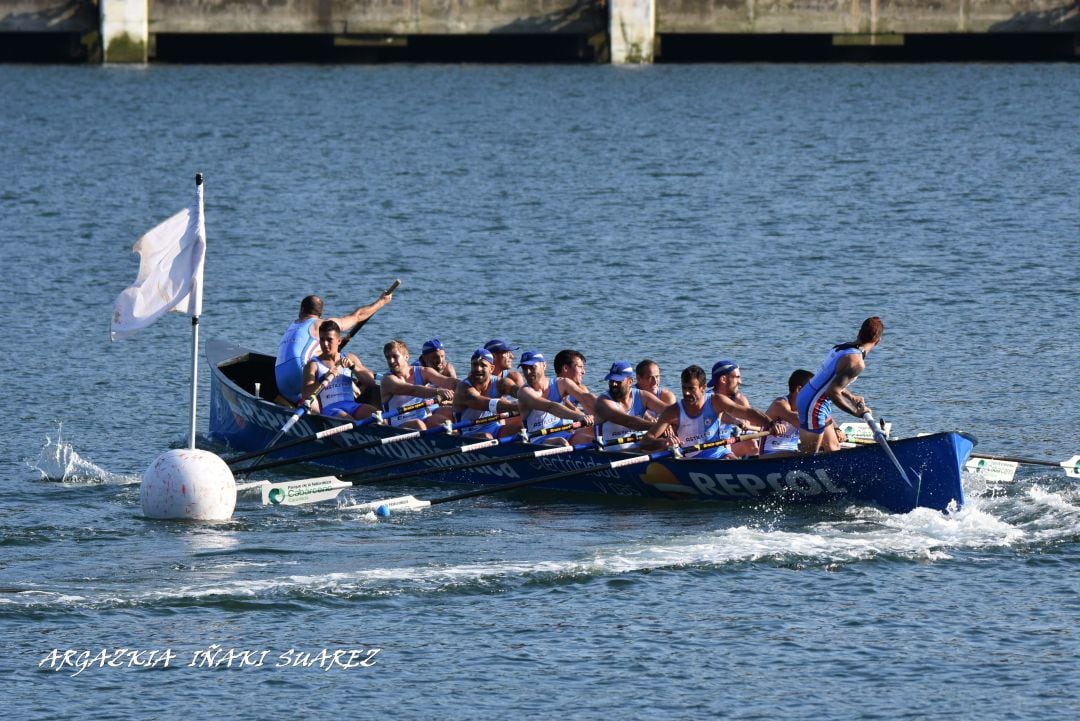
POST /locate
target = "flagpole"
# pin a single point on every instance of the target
(195, 325)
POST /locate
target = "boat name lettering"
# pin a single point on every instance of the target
(748, 485)
(559, 464)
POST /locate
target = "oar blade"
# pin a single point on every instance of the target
(303, 491)
(992, 470)
(401, 503)
(1072, 467)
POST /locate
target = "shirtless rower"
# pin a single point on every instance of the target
(695, 418)
(622, 409)
(829, 387)
(300, 342)
(648, 379)
(404, 384)
(337, 398)
(541, 403)
(479, 394)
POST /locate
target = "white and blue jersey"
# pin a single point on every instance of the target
(787, 442)
(396, 401)
(608, 429)
(297, 347)
(815, 410)
(702, 428)
(471, 414)
(536, 420)
(338, 396)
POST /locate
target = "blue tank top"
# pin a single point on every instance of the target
(702, 428)
(297, 347)
(608, 429)
(815, 387)
(393, 402)
(536, 420)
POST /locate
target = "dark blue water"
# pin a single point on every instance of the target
(681, 213)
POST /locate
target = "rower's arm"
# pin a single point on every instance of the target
(468, 397)
(608, 411)
(362, 313)
(394, 386)
(847, 370)
(663, 430)
(580, 393)
(530, 399)
(653, 402)
(438, 379)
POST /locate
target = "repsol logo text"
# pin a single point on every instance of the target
(748, 485)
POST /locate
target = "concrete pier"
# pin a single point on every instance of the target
(617, 31)
(632, 31)
(125, 30)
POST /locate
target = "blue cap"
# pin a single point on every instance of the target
(485, 354)
(498, 345)
(620, 371)
(430, 345)
(720, 369)
(531, 358)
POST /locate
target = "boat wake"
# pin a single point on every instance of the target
(59, 461)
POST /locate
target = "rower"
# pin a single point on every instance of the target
(541, 404)
(570, 375)
(622, 409)
(479, 394)
(405, 384)
(337, 398)
(829, 387)
(503, 353)
(433, 355)
(300, 342)
(785, 408)
(737, 411)
(696, 419)
(648, 379)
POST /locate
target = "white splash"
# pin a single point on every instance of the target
(59, 461)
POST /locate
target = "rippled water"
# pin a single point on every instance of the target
(682, 213)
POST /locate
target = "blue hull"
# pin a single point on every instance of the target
(863, 474)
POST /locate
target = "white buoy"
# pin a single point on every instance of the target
(190, 484)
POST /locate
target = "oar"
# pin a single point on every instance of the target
(1071, 466)
(376, 417)
(300, 410)
(539, 452)
(337, 450)
(884, 443)
(358, 326)
(457, 450)
(383, 507)
(324, 488)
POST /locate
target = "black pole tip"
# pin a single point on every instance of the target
(198, 178)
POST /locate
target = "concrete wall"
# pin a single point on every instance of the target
(580, 17)
(379, 17)
(866, 16)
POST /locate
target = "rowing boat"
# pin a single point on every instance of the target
(243, 417)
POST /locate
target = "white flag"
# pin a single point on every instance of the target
(171, 258)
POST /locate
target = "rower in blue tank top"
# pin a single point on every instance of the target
(695, 418)
(336, 399)
(405, 384)
(829, 387)
(540, 401)
(622, 409)
(648, 379)
(478, 395)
